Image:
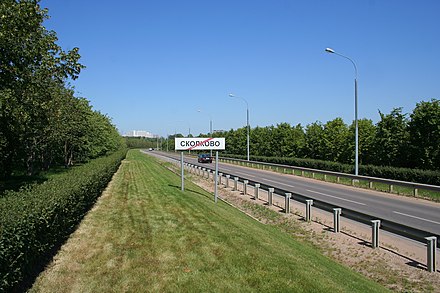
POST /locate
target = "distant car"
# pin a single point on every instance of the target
(150, 149)
(204, 158)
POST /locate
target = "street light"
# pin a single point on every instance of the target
(210, 125)
(247, 121)
(356, 136)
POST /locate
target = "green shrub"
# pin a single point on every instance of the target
(35, 221)
(402, 174)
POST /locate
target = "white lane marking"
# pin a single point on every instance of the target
(245, 175)
(416, 217)
(251, 176)
(352, 201)
(277, 182)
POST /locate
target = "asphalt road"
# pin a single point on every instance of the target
(416, 213)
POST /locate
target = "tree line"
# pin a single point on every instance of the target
(42, 122)
(397, 140)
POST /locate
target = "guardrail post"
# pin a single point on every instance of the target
(227, 180)
(431, 255)
(416, 192)
(220, 178)
(245, 184)
(391, 188)
(370, 185)
(375, 233)
(287, 203)
(257, 190)
(309, 203)
(235, 183)
(302, 173)
(337, 220)
(325, 177)
(270, 196)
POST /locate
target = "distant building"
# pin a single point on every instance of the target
(139, 133)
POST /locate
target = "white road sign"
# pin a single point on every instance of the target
(199, 143)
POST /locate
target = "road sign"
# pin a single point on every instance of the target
(199, 143)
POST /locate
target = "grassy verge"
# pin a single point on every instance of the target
(145, 235)
(400, 190)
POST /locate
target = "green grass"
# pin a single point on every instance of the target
(145, 235)
(426, 194)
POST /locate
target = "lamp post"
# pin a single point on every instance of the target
(356, 135)
(210, 125)
(247, 121)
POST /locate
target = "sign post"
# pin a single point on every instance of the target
(181, 172)
(216, 177)
(199, 143)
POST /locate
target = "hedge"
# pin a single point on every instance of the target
(402, 174)
(36, 221)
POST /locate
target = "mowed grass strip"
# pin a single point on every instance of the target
(146, 235)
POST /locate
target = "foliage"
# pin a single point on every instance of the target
(424, 135)
(402, 174)
(335, 141)
(41, 121)
(141, 142)
(391, 139)
(36, 220)
(395, 141)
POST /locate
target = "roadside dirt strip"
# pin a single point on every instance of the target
(399, 263)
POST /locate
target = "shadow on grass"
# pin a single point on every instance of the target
(31, 274)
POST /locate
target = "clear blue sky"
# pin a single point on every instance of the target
(152, 64)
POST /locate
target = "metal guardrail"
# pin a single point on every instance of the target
(393, 227)
(415, 186)
(387, 225)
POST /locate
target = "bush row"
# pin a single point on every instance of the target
(402, 174)
(34, 222)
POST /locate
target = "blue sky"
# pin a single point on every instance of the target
(152, 64)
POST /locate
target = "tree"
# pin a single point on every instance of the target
(314, 134)
(424, 130)
(335, 141)
(367, 133)
(31, 65)
(391, 140)
(260, 141)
